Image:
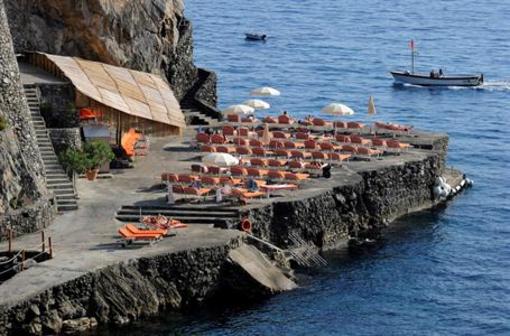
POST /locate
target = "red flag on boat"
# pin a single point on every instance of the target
(411, 44)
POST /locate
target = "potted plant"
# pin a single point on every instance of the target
(88, 160)
(97, 152)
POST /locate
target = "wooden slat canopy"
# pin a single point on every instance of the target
(139, 94)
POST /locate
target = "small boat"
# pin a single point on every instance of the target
(434, 78)
(255, 37)
(405, 77)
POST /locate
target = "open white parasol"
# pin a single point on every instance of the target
(239, 109)
(257, 104)
(220, 159)
(265, 91)
(337, 109)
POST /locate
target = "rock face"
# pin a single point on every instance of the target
(25, 204)
(146, 35)
(359, 209)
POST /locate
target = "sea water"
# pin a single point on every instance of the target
(442, 272)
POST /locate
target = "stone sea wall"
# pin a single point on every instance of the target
(123, 292)
(25, 203)
(360, 208)
(134, 289)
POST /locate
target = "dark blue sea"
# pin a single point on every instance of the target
(442, 272)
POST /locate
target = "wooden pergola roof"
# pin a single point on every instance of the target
(136, 93)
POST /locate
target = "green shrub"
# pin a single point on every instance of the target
(93, 155)
(76, 160)
(98, 152)
(3, 123)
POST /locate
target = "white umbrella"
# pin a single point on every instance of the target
(220, 159)
(257, 104)
(338, 109)
(239, 109)
(371, 106)
(265, 91)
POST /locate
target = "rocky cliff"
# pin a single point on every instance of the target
(146, 35)
(24, 200)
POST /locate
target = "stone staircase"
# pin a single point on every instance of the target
(56, 179)
(196, 117)
(197, 113)
(189, 214)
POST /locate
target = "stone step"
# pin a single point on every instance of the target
(54, 181)
(47, 152)
(67, 207)
(199, 115)
(58, 176)
(66, 186)
(184, 219)
(61, 201)
(43, 137)
(65, 197)
(173, 213)
(43, 145)
(52, 166)
(184, 207)
(49, 155)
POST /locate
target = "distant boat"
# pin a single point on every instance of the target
(434, 78)
(405, 77)
(255, 37)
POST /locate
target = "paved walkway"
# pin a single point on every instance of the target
(85, 240)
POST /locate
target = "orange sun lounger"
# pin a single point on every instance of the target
(244, 193)
(196, 191)
(296, 176)
(133, 229)
(129, 237)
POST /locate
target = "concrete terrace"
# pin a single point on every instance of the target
(85, 240)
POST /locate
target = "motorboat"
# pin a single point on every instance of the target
(434, 79)
(255, 37)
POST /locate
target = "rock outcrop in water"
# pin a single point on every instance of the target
(151, 36)
(24, 201)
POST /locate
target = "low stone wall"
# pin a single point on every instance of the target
(57, 105)
(29, 218)
(361, 208)
(64, 138)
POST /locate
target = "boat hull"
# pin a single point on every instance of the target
(414, 79)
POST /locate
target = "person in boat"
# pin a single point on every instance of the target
(440, 72)
(432, 73)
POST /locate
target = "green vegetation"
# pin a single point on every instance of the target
(3, 123)
(93, 155)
